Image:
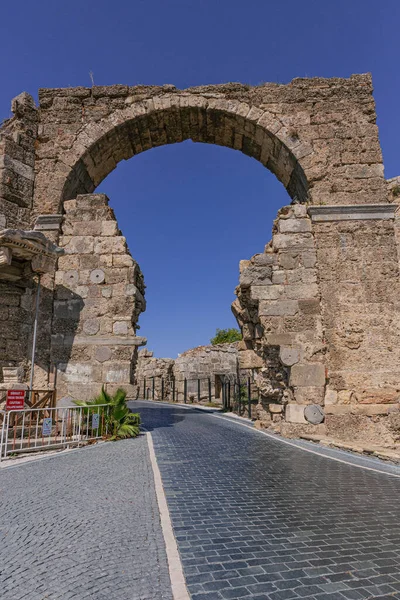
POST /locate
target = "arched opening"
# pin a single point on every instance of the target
(99, 147)
(191, 213)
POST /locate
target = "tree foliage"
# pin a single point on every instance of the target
(226, 336)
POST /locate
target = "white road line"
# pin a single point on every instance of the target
(178, 583)
(318, 453)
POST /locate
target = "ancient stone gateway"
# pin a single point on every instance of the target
(318, 308)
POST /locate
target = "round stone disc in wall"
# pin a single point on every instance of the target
(71, 277)
(97, 276)
(314, 414)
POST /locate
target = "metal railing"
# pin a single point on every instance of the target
(35, 429)
(235, 394)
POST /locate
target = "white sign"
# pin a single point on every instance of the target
(95, 421)
(47, 426)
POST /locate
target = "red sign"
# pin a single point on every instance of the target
(15, 399)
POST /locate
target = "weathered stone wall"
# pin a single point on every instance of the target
(98, 296)
(16, 311)
(324, 299)
(206, 363)
(278, 308)
(18, 137)
(17, 159)
(205, 366)
(154, 376)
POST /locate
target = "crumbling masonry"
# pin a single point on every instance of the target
(319, 308)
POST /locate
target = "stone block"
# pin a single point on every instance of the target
(131, 390)
(278, 277)
(310, 307)
(309, 395)
(289, 260)
(117, 373)
(120, 328)
(295, 226)
(279, 339)
(78, 372)
(302, 291)
(80, 245)
(107, 292)
(85, 228)
(312, 375)
(299, 210)
(71, 278)
(244, 264)
(275, 408)
(294, 413)
(346, 397)
(331, 397)
(278, 308)
(248, 359)
(309, 259)
(255, 275)
(68, 262)
(261, 260)
(13, 375)
(370, 410)
(110, 245)
(266, 292)
(122, 260)
(282, 241)
(81, 391)
(109, 228)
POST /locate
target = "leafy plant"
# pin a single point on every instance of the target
(120, 422)
(396, 191)
(226, 336)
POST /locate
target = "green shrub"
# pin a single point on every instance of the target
(120, 423)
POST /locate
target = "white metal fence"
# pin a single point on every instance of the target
(50, 428)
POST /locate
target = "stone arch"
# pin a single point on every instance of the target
(324, 292)
(100, 146)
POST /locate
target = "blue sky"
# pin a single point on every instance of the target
(190, 211)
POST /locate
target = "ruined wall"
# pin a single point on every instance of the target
(324, 299)
(359, 284)
(207, 366)
(278, 308)
(17, 158)
(18, 137)
(154, 376)
(16, 311)
(98, 297)
(206, 363)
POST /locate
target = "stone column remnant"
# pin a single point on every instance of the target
(98, 296)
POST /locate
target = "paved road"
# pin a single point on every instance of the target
(83, 526)
(261, 520)
(254, 519)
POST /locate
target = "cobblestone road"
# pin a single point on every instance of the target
(262, 520)
(84, 525)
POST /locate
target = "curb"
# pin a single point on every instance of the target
(178, 583)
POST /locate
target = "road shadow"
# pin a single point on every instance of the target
(156, 416)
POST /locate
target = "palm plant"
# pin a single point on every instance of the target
(120, 422)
